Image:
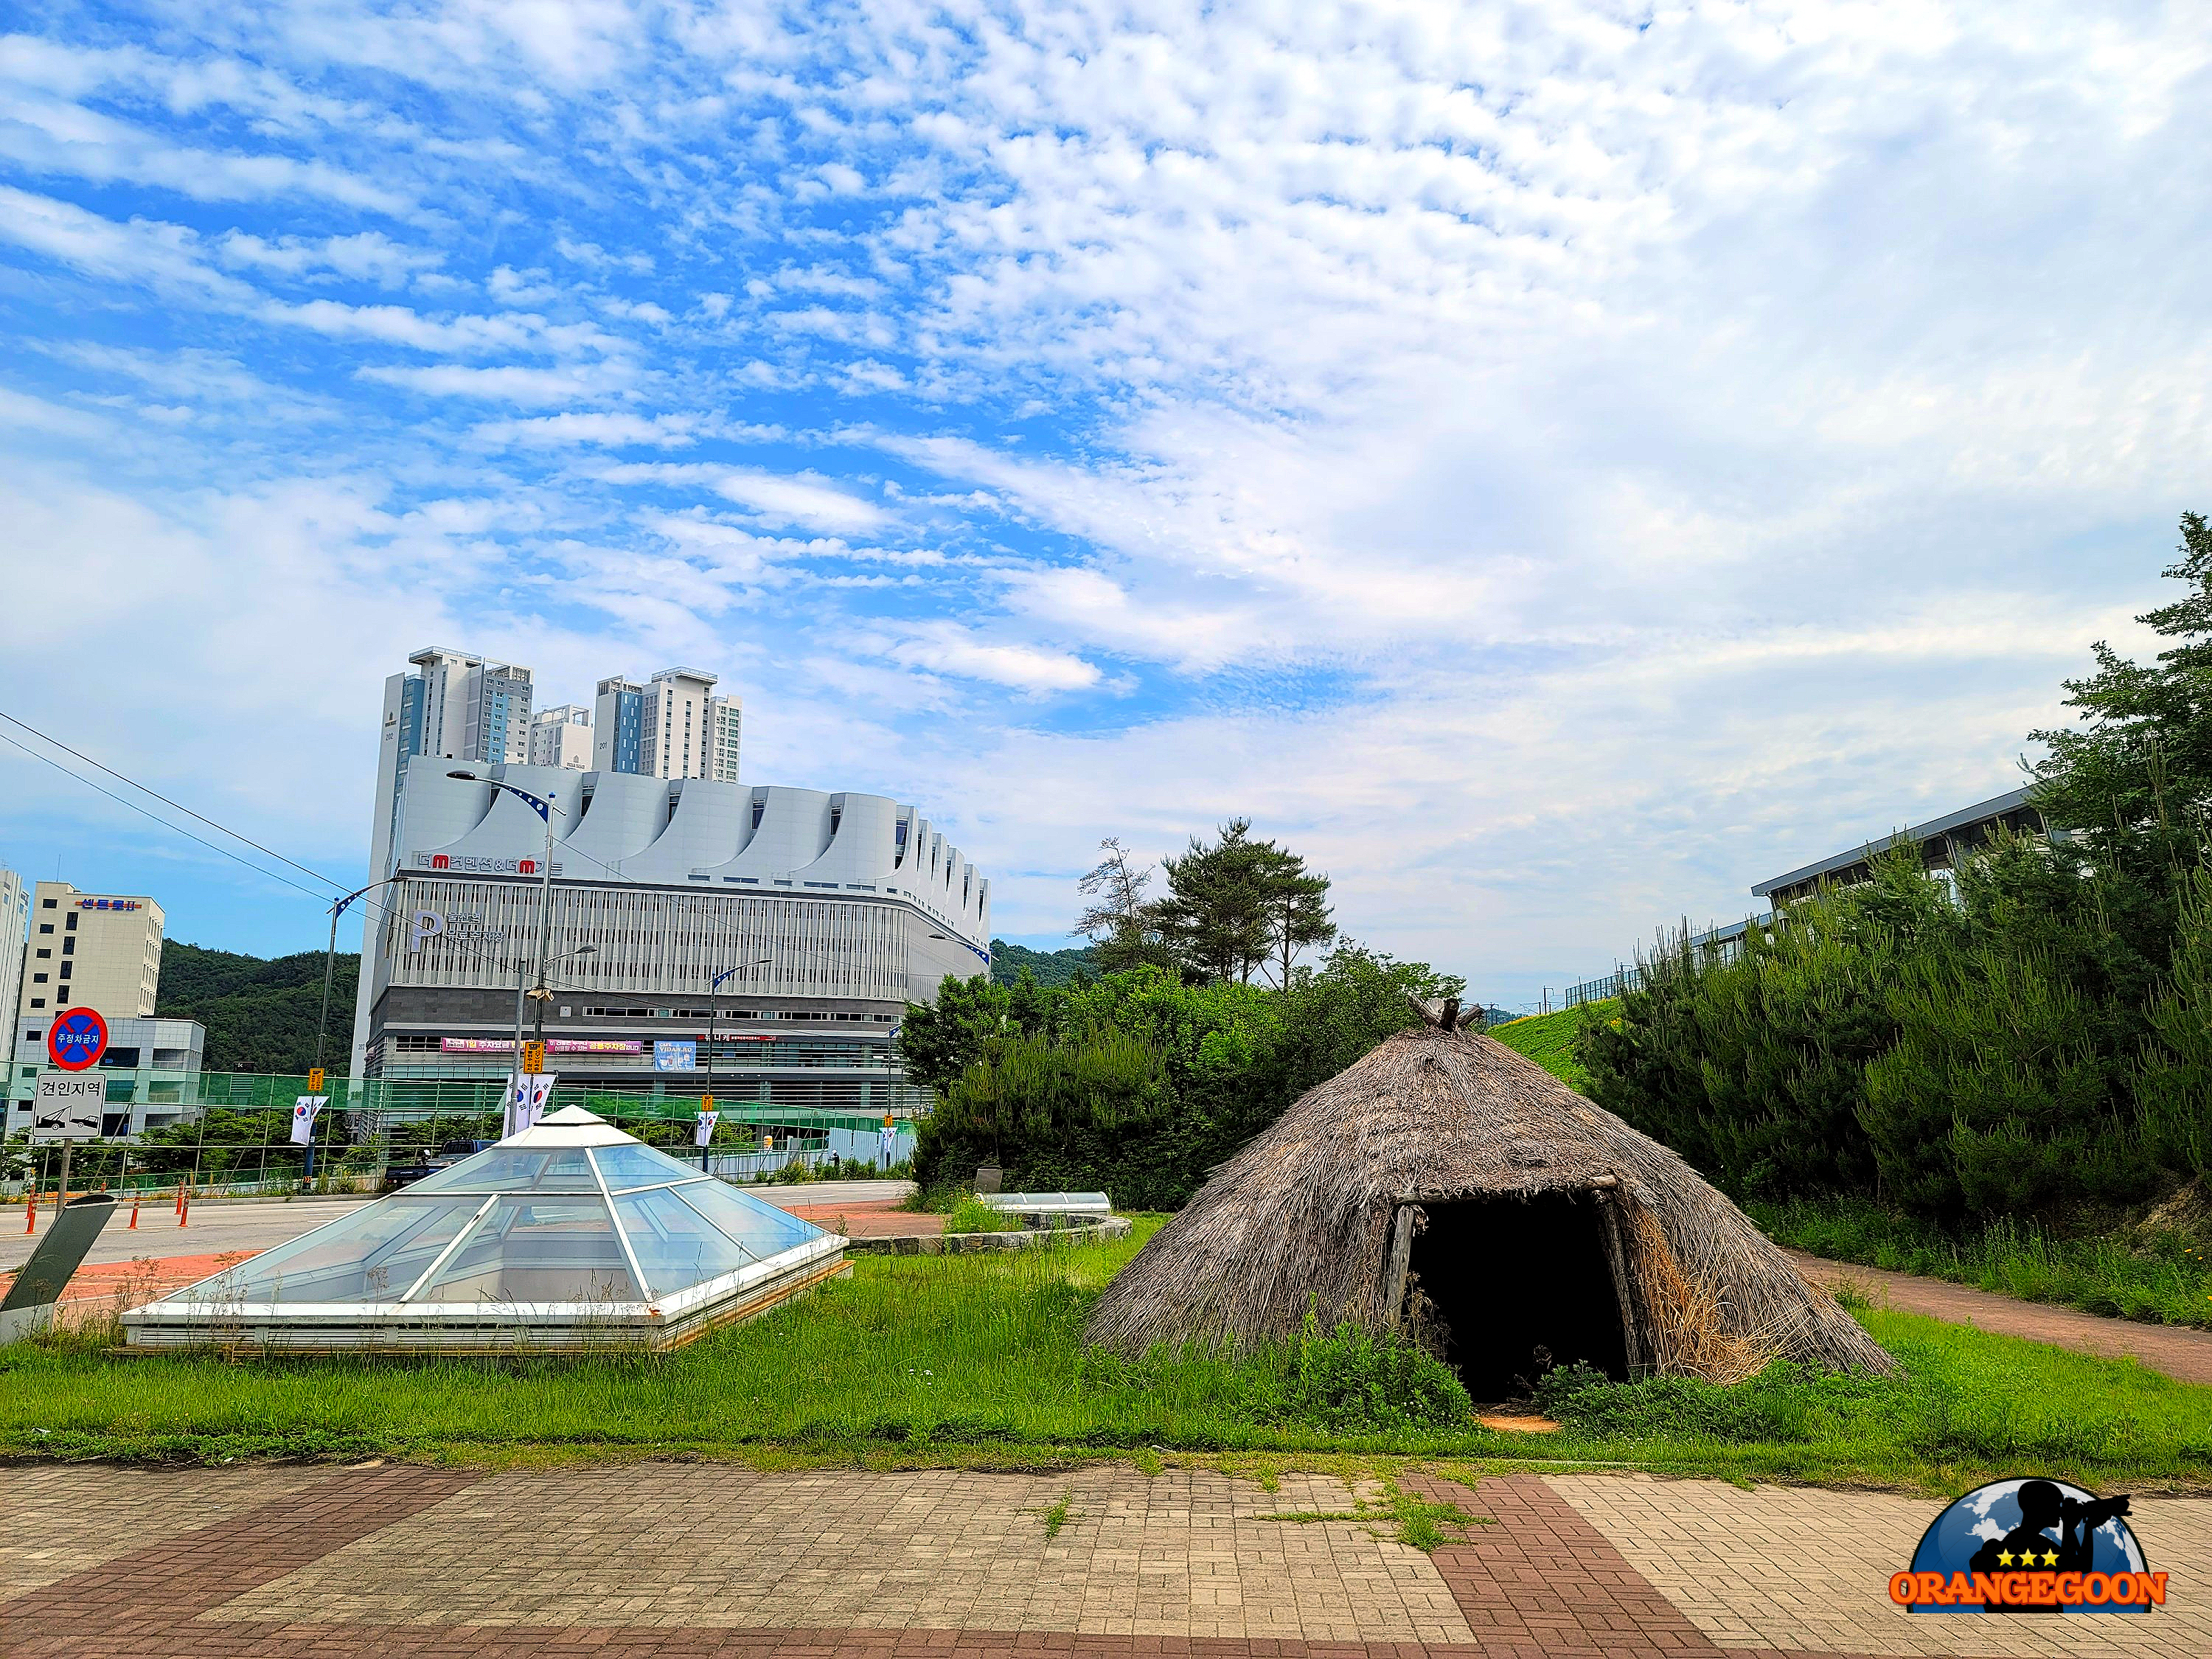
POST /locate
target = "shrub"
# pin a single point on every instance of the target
(1353, 1382)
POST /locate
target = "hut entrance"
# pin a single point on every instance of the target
(1509, 1276)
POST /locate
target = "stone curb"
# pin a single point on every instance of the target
(1088, 1232)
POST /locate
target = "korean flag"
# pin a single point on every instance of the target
(303, 1117)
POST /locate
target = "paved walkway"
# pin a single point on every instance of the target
(2177, 1351)
(1103, 1561)
(214, 1227)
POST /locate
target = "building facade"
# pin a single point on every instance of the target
(1941, 843)
(97, 950)
(14, 939)
(562, 737)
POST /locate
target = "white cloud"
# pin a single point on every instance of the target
(507, 385)
(369, 256)
(559, 431)
(806, 499)
(948, 649)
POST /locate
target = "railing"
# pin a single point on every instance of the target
(237, 1135)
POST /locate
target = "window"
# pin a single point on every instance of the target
(40, 979)
(69, 923)
(47, 926)
(67, 967)
(61, 997)
(43, 955)
(47, 904)
(38, 1002)
(69, 947)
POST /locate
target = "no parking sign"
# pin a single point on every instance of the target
(77, 1039)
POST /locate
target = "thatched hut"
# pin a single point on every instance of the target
(1447, 1187)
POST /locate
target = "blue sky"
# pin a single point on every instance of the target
(1554, 465)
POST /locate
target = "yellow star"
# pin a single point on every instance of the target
(2050, 1557)
(2004, 1558)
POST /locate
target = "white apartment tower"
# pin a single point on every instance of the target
(562, 737)
(671, 726)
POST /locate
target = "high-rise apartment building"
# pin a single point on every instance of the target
(725, 725)
(672, 727)
(87, 949)
(618, 725)
(562, 737)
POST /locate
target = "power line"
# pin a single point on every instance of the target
(159, 796)
(179, 828)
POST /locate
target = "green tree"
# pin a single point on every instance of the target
(1295, 903)
(2173, 1078)
(1216, 917)
(2133, 780)
(1120, 921)
(939, 1041)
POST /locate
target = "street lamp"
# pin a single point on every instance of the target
(713, 1013)
(545, 809)
(323, 1019)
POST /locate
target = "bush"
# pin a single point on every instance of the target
(1353, 1382)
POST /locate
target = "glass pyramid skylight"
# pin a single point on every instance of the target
(569, 1234)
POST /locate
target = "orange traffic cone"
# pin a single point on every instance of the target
(31, 1211)
(133, 1227)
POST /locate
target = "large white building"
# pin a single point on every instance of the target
(822, 914)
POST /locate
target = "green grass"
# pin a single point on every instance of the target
(971, 1214)
(1549, 1040)
(976, 1359)
(2157, 1276)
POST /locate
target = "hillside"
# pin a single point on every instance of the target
(1050, 966)
(1549, 1039)
(260, 1011)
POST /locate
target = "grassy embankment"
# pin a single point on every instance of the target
(2161, 1274)
(1549, 1040)
(977, 1360)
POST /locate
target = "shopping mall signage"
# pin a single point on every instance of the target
(464, 864)
(109, 904)
(553, 1045)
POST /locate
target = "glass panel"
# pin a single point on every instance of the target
(634, 1166)
(515, 1169)
(372, 1255)
(675, 1245)
(756, 1225)
(538, 1249)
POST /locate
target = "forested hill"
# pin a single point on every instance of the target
(1050, 966)
(259, 1012)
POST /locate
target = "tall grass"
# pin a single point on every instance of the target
(2158, 1276)
(966, 1358)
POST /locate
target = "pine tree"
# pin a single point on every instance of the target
(2173, 1078)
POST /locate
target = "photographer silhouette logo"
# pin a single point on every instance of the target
(2030, 1547)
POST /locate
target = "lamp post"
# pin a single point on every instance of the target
(323, 1019)
(541, 993)
(545, 809)
(714, 1014)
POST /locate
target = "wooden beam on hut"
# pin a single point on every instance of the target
(1607, 1190)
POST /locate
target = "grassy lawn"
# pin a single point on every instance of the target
(975, 1360)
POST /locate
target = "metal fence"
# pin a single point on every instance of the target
(234, 1136)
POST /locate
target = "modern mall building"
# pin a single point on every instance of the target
(821, 913)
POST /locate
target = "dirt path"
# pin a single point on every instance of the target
(2176, 1351)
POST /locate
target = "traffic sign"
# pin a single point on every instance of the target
(76, 1039)
(315, 1079)
(534, 1058)
(68, 1108)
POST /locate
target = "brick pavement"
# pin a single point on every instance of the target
(697, 1560)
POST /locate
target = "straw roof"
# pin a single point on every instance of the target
(1305, 1216)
